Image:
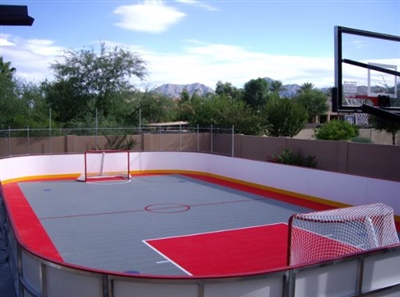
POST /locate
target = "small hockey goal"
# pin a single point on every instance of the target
(104, 165)
(327, 234)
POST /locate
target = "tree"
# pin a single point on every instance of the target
(305, 87)
(89, 83)
(337, 130)
(284, 117)
(32, 97)
(229, 90)
(383, 124)
(277, 86)
(220, 111)
(12, 109)
(6, 71)
(314, 101)
(156, 108)
(256, 93)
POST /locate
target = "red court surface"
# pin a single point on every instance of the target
(237, 251)
(30, 231)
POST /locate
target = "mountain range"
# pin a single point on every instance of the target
(289, 91)
(174, 90)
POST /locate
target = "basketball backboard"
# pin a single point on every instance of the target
(367, 71)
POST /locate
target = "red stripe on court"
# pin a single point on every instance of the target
(263, 192)
(27, 225)
(228, 252)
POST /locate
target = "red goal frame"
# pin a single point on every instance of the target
(105, 165)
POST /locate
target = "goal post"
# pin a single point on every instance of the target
(105, 164)
(328, 234)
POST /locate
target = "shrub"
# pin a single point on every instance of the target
(337, 130)
(289, 158)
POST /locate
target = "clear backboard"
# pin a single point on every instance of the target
(367, 71)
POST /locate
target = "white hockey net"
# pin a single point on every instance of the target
(327, 234)
(105, 165)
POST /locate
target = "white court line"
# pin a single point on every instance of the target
(167, 259)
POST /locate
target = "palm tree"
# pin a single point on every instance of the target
(307, 87)
(277, 86)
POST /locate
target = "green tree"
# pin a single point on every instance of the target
(32, 96)
(337, 130)
(256, 92)
(314, 101)
(383, 124)
(305, 87)
(12, 109)
(6, 71)
(284, 117)
(277, 86)
(185, 96)
(220, 111)
(89, 83)
(156, 108)
(229, 90)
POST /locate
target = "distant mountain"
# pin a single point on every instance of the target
(175, 90)
(289, 90)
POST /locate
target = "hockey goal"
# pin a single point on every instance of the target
(105, 165)
(327, 234)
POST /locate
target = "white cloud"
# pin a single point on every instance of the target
(209, 63)
(31, 57)
(5, 40)
(198, 4)
(359, 44)
(150, 16)
(197, 61)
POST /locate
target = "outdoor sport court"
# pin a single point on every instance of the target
(167, 224)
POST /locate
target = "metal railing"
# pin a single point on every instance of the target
(34, 141)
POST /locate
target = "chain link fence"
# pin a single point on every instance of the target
(30, 141)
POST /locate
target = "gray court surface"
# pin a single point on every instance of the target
(102, 225)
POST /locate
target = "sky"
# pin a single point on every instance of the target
(189, 41)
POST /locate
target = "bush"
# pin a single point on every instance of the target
(337, 130)
(289, 158)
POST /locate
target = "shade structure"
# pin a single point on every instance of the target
(15, 15)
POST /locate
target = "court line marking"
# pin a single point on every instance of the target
(144, 209)
(167, 259)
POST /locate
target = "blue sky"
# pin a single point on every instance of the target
(187, 41)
